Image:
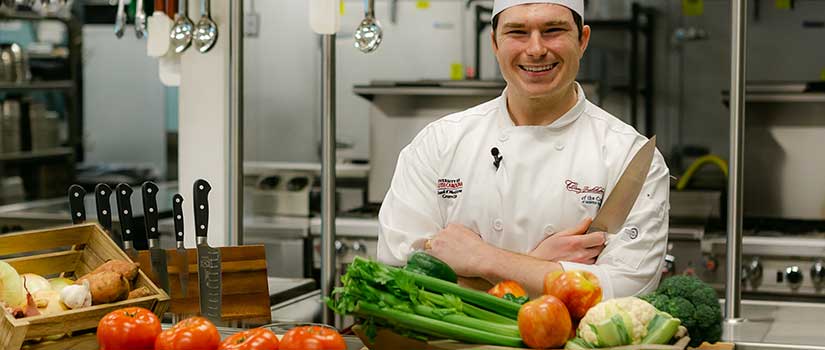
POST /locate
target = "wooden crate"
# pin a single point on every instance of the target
(386, 339)
(244, 283)
(76, 250)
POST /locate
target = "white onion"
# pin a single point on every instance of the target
(35, 283)
(11, 286)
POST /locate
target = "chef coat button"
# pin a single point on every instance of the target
(503, 137)
(559, 146)
(549, 230)
(498, 225)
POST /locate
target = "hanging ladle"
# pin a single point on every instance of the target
(181, 35)
(368, 34)
(206, 32)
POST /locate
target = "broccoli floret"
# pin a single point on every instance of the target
(694, 303)
(657, 300)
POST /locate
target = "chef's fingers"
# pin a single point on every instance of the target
(591, 240)
(589, 255)
(580, 228)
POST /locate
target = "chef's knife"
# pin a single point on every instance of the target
(104, 211)
(76, 205)
(183, 257)
(616, 207)
(124, 212)
(209, 259)
(149, 191)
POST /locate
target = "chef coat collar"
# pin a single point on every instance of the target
(506, 122)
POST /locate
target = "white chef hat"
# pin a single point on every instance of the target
(576, 5)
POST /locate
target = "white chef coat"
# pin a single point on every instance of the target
(550, 178)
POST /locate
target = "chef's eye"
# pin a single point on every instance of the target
(516, 32)
(554, 30)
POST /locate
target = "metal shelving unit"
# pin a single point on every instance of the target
(30, 163)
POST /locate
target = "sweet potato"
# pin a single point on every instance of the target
(126, 268)
(140, 293)
(106, 286)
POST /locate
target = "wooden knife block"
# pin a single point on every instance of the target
(244, 283)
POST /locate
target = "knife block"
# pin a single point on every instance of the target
(244, 283)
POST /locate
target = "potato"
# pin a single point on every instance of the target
(140, 293)
(106, 286)
(127, 269)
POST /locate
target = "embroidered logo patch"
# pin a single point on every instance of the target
(630, 233)
(587, 194)
(449, 188)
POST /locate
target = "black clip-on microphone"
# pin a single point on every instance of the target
(497, 157)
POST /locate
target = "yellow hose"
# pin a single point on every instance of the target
(698, 163)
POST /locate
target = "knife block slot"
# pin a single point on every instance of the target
(243, 280)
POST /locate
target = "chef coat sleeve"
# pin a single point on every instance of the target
(410, 212)
(631, 262)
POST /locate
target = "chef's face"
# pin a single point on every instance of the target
(538, 49)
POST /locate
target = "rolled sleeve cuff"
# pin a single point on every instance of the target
(604, 279)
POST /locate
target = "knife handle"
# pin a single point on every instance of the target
(160, 6)
(149, 192)
(177, 213)
(76, 205)
(124, 211)
(201, 206)
(104, 208)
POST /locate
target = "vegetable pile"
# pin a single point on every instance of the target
(624, 321)
(421, 306)
(692, 301)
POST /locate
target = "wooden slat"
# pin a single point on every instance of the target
(46, 264)
(80, 342)
(75, 320)
(22, 242)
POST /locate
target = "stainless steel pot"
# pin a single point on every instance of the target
(13, 63)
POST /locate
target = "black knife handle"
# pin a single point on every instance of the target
(149, 191)
(177, 212)
(201, 206)
(123, 194)
(76, 205)
(104, 208)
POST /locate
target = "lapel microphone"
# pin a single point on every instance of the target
(497, 157)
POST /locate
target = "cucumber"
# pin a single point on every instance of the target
(426, 264)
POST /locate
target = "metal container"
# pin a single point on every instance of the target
(13, 63)
(10, 126)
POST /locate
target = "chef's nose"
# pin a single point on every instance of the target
(535, 46)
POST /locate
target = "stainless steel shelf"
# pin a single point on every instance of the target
(20, 157)
(37, 86)
(370, 92)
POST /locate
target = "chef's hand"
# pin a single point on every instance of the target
(459, 247)
(573, 244)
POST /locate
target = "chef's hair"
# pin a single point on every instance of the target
(577, 19)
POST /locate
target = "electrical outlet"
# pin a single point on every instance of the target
(251, 25)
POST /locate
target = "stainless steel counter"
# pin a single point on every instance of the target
(779, 325)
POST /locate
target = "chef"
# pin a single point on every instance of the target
(506, 190)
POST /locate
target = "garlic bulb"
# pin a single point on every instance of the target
(76, 296)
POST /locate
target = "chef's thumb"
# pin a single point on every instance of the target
(579, 229)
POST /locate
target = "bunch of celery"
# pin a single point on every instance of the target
(414, 303)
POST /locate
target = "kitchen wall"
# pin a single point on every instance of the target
(283, 66)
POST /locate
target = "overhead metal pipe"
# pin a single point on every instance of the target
(236, 122)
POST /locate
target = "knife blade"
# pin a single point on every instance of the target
(149, 192)
(616, 207)
(124, 212)
(209, 259)
(76, 206)
(183, 257)
(104, 211)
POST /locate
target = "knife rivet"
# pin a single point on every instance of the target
(149, 190)
(77, 194)
(123, 192)
(104, 212)
(180, 234)
(125, 211)
(79, 214)
(151, 210)
(152, 229)
(102, 193)
(179, 217)
(177, 200)
(200, 187)
(128, 231)
(203, 227)
(202, 206)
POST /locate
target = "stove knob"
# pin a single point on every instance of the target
(818, 274)
(360, 248)
(794, 276)
(754, 273)
(341, 248)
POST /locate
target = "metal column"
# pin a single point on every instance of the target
(236, 123)
(733, 293)
(328, 263)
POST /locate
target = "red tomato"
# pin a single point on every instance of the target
(578, 290)
(504, 287)
(253, 339)
(544, 323)
(195, 333)
(133, 328)
(312, 338)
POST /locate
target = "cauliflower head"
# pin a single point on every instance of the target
(629, 315)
